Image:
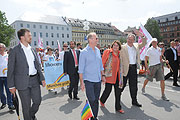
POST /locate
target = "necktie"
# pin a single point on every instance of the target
(75, 58)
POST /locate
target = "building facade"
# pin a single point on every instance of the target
(49, 28)
(169, 26)
(105, 32)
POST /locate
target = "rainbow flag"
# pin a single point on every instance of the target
(86, 113)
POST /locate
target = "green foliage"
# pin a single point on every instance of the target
(6, 31)
(153, 28)
(123, 40)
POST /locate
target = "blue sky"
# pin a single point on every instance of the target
(121, 13)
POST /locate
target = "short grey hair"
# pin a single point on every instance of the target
(2, 44)
(90, 35)
(131, 35)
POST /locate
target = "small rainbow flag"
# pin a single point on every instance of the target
(86, 113)
(59, 78)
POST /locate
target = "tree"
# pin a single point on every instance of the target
(6, 31)
(123, 40)
(153, 28)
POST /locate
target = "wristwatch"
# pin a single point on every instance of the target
(103, 75)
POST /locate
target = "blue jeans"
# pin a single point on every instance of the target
(93, 90)
(3, 83)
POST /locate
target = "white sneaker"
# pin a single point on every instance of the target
(164, 98)
(143, 91)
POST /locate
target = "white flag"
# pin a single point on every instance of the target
(40, 42)
(149, 39)
(59, 46)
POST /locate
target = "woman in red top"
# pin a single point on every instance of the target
(112, 67)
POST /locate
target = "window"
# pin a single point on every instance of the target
(67, 29)
(62, 35)
(46, 27)
(51, 27)
(35, 43)
(67, 35)
(52, 43)
(40, 26)
(57, 35)
(46, 34)
(41, 34)
(176, 18)
(62, 28)
(28, 26)
(166, 19)
(21, 25)
(57, 28)
(34, 26)
(177, 34)
(47, 43)
(34, 34)
(52, 35)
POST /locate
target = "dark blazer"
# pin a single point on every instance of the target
(18, 69)
(170, 55)
(69, 63)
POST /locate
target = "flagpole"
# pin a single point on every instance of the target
(167, 63)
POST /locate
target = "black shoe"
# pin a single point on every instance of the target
(11, 108)
(3, 106)
(70, 95)
(34, 118)
(175, 84)
(136, 104)
(76, 98)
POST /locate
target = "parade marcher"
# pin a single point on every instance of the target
(178, 50)
(171, 55)
(154, 56)
(70, 65)
(113, 73)
(79, 46)
(61, 54)
(25, 75)
(50, 57)
(91, 72)
(162, 49)
(3, 79)
(130, 61)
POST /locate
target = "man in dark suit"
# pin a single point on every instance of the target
(71, 62)
(25, 75)
(172, 56)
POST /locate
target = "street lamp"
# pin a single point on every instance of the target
(86, 28)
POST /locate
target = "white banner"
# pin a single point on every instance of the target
(149, 39)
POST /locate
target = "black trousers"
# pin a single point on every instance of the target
(174, 66)
(132, 76)
(107, 91)
(74, 81)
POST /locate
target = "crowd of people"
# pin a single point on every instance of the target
(21, 70)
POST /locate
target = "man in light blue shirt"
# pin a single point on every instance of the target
(91, 72)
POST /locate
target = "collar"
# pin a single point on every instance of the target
(23, 46)
(88, 47)
(129, 46)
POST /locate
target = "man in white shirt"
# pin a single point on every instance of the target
(61, 54)
(25, 75)
(155, 69)
(3, 79)
(130, 62)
